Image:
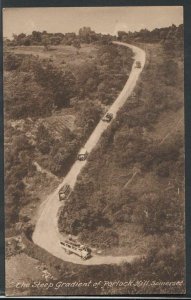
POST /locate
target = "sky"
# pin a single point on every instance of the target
(100, 19)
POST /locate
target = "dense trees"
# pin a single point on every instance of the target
(86, 35)
(88, 117)
(133, 178)
(171, 37)
(17, 166)
(60, 85)
(36, 88)
(11, 62)
(49, 87)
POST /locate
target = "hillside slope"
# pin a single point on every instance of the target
(127, 197)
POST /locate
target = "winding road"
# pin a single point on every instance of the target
(46, 234)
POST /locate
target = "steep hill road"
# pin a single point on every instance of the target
(46, 233)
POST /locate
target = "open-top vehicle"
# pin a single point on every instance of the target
(108, 117)
(64, 192)
(80, 250)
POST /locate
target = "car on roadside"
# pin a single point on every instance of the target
(138, 64)
(80, 250)
(64, 192)
(83, 154)
(108, 117)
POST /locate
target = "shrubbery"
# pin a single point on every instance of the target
(36, 88)
(86, 35)
(127, 149)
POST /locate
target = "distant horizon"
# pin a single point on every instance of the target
(105, 20)
(105, 33)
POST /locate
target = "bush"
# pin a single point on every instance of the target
(101, 238)
(163, 169)
(12, 62)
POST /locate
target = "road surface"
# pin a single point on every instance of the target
(46, 234)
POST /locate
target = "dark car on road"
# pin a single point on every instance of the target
(138, 64)
(83, 154)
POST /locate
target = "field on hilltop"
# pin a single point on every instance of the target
(61, 55)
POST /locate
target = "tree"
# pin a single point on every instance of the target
(26, 41)
(46, 43)
(61, 84)
(11, 62)
(77, 45)
(163, 169)
(89, 116)
(21, 142)
(55, 40)
(122, 36)
(36, 37)
(85, 34)
(151, 213)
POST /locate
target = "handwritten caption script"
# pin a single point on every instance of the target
(95, 284)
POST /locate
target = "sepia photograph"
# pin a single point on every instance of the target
(94, 154)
